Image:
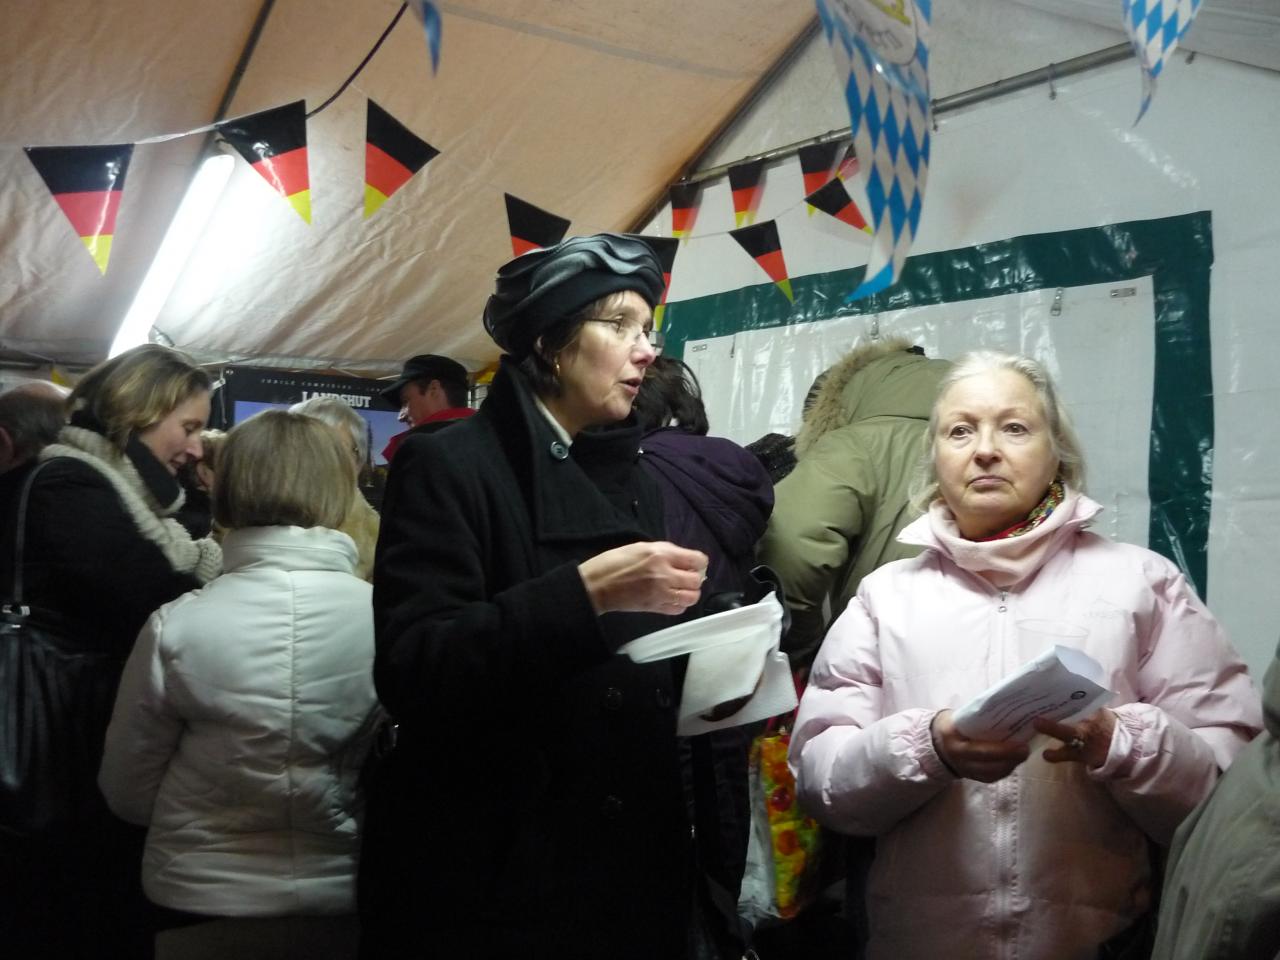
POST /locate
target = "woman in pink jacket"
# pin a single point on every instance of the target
(994, 849)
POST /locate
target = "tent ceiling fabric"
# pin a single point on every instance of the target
(587, 108)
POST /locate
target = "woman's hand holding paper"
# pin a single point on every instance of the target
(1085, 741)
(984, 760)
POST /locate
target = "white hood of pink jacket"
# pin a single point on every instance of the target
(1053, 860)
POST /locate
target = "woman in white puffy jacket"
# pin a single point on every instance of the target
(992, 849)
(246, 711)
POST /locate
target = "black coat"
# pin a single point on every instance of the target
(532, 806)
(93, 577)
(86, 562)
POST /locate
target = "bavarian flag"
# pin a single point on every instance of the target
(87, 183)
(532, 227)
(761, 241)
(392, 154)
(274, 142)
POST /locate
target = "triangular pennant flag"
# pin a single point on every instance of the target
(761, 241)
(684, 208)
(87, 183)
(532, 227)
(665, 248)
(392, 154)
(274, 142)
(816, 163)
(1154, 28)
(429, 14)
(834, 199)
(745, 180)
(848, 168)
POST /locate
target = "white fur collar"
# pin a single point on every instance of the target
(201, 558)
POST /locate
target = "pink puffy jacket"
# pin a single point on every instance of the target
(1052, 860)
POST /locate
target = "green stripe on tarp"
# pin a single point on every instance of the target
(1176, 252)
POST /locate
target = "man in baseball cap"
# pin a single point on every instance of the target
(431, 392)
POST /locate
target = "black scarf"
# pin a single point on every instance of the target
(160, 483)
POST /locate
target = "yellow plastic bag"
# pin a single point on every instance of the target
(782, 856)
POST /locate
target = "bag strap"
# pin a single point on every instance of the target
(20, 532)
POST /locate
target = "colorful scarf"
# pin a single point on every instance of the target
(1007, 559)
(1038, 515)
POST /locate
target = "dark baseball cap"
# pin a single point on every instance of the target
(426, 366)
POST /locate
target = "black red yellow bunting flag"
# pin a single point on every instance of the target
(392, 154)
(274, 142)
(761, 241)
(665, 248)
(532, 227)
(834, 200)
(684, 208)
(817, 164)
(87, 183)
(849, 165)
(745, 182)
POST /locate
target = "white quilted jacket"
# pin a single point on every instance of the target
(244, 714)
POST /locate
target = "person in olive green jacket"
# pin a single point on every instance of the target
(1222, 886)
(837, 515)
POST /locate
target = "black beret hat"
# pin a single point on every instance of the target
(541, 287)
(426, 366)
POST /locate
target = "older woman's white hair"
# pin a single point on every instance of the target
(1066, 445)
(336, 413)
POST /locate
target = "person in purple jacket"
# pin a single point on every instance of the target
(716, 498)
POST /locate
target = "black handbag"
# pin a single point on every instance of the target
(55, 702)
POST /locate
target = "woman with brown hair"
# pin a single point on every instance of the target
(101, 551)
(532, 806)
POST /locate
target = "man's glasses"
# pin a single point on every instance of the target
(630, 331)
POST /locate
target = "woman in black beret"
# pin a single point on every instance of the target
(532, 804)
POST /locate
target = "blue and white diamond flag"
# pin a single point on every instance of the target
(881, 50)
(1154, 28)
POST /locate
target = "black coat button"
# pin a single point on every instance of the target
(559, 450)
(611, 807)
(662, 698)
(613, 699)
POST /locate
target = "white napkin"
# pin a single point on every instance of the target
(750, 665)
(710, 676)
(731, 654)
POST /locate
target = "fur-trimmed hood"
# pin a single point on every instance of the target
(200, 558)
(875, 379)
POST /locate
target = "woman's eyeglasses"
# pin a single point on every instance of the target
(632, 332)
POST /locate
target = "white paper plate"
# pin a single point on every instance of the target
(731, 626)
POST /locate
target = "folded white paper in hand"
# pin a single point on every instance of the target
(732, 655)
(1061, 684)
(766, 679)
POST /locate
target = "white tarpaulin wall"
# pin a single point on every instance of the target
(1109, 393)
(1029, 165)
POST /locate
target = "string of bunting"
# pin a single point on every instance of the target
(87, 182)
(882, 50)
